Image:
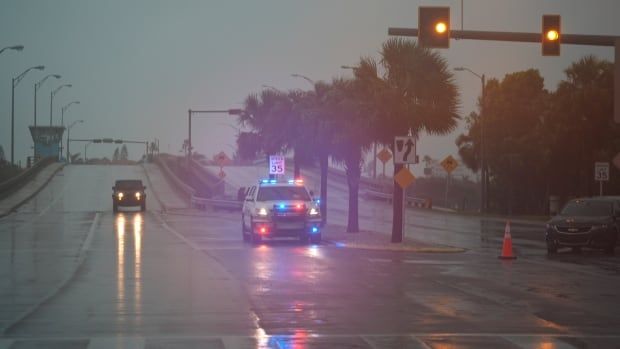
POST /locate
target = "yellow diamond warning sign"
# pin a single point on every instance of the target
(384, 155)
(449, 164)
(404, 178)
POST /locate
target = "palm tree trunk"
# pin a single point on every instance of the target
(353, 180)
(324, 159)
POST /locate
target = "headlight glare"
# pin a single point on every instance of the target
(262, 211)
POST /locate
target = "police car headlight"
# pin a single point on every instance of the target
(138, 195)
(120, 196)
(313, 212)
(262, 212)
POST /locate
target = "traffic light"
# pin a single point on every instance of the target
(434, 27)
(551, 35)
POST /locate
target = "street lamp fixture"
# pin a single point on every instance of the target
(271, 88)
(15, 83)
(68, 136)
(37, 86)
(62, 120)
(64, 109)
(190, 113)
(52, 94)
(15, 48)
(303, 77)
(483, 166)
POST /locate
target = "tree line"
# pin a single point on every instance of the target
(541, 143)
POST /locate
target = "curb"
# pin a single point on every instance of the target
(26, 199)
(397, 248)
(148, 178)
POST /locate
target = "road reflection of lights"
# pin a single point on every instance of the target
(262, 339)
(546, 345)
(314, 251)
(120, 264)
(298, 340)
(123, 243)
(137, 241)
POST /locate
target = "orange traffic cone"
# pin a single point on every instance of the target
(507, 247)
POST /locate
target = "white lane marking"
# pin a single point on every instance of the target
(117, 342)
(80, 259)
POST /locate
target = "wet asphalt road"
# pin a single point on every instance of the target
(74, 275)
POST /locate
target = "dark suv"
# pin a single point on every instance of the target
(590, 222)
(128, 192)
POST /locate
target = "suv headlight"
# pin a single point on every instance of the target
(313, 212)
(262, 212)
(138, 195)
(120, 195)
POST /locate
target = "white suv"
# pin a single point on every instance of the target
(280, 208)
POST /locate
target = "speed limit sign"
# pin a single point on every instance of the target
(601, 171)
(276, 165)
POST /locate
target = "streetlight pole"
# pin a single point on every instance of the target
(62, 121)
(64, 109)
(69, 135)
(52, 94)
(483, 166)
(189, 126)
(86, 148)
(14, 84)
(37, 86)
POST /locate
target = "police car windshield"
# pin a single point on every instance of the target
(282, 193)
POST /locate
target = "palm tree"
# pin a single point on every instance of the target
(415, 93)
(352, 123)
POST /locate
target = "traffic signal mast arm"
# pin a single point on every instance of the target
(572, 39)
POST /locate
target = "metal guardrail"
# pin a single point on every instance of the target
(205, 203)
(411, 201)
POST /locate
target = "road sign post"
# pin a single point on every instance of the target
(449, 164)
(404, 152)
(601, 174)
(385, 156)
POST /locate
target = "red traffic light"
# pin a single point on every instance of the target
(434, 27)
(551, 35)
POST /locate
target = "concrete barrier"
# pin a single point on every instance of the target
(176, 182)
(13, 184)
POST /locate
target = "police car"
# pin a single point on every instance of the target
(276, 208)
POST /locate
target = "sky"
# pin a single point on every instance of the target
(137, 66)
